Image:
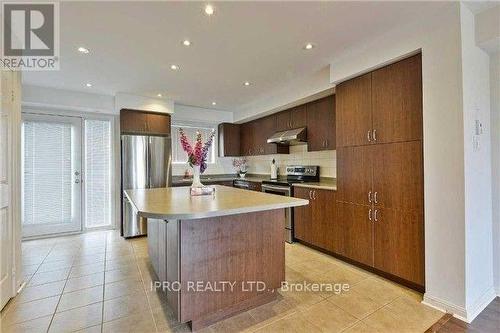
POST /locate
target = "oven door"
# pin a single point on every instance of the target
(285, 191)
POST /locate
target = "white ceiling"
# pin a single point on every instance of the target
(133, 44)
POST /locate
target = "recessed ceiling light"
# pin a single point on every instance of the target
(214, 103)
(309, 46)
(246, 83)
(159, 95)
(88, 85)
(84, 50)
(174, 67)
(186, 42)
(209, 10)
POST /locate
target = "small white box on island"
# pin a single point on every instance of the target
(205, 190)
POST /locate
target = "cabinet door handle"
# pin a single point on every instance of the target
(368, 136)
(375, 217)
(375, 197)
(314, 195)
(370, 197)
(374, 135)
(326, 143)
(310, 195)
(370, 214)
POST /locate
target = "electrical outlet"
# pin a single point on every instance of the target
(478, 129)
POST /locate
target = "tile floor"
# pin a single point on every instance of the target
(99, 282)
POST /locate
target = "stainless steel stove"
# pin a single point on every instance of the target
(283, 186)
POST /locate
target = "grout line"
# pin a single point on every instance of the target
(58, 301)
(144, 288)
(104, 279)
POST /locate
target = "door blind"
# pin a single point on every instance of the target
(47, 173)
(97, 173)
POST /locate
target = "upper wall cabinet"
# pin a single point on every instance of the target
(397, 101)
(317, 116)
(254, 135)
(292, 118)
(354, 111)
(229, 140)
(321, 124)
(382, 106)
(144, 122)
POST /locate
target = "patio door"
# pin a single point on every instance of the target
(51, 175)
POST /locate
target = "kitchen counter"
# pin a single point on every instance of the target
(194, 242)
(323, 184)
(176, 202)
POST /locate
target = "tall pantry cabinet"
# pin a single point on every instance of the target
(380, 201)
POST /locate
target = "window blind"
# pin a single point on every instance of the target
(47, 173)
(178, 154)
(97, 173)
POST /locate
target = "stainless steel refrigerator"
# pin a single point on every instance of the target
(146, 163)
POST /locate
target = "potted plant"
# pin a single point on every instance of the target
(240, 164)
(197, 155)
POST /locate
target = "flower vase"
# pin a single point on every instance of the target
(196, 177)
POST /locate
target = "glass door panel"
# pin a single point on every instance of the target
(51, 164)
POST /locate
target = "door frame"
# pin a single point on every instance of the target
(14, 174)
(115, 158)
(71, 227)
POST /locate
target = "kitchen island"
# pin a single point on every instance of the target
(215, 255)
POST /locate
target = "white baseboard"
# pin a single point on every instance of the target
(459, 312)
(441, 305)
(481, 303)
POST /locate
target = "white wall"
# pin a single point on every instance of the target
(477, 158)
(487, 32)
(195, 114)
(58, 99)
(495, 162)
(300, 90)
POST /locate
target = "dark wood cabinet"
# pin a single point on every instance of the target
(254, 135)
(355, 238)
(144, 122)
(382, 106)
(229, 140)
(247, 139)
(295, 117)
(354, 111)
(397, 101)
(398, 176)
(354, 174)
(315, 223)
(321, 124)
(399, 243)
(380, 207)
(380, 198)
(317, 116)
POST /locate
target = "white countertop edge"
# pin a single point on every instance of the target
(234, 211)
(321, 187)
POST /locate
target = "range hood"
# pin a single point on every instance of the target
(297, 136)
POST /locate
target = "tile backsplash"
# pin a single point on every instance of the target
(327, 160)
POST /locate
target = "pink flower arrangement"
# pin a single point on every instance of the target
(240, 164)
(198, 154)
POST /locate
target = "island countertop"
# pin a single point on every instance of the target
(174, 203)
